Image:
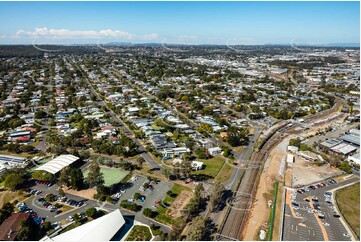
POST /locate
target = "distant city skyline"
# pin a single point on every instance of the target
(222, 23)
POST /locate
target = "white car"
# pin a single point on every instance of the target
(347, 235)
(326, 224)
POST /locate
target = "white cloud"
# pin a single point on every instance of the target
(82, 34)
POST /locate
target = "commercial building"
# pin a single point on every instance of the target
(101, 229)
(355, 158)
(12, 161)
(60, 162)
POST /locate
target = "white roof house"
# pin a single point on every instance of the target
(197, 165)
(55, 165)
(290, 158)
(214, 151)
(293, 149)
(101, 229)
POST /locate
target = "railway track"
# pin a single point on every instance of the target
(237, 213)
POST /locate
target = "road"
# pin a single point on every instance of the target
(45, 127)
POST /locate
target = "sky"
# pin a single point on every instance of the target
(229, 23)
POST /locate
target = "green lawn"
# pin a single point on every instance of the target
(176, 190)
(348, 201)
(139, 233)
(212, 166)
(225, 173)
(111, 175)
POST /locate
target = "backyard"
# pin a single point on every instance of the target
(348, 201)
(211, 166)
(111, 175)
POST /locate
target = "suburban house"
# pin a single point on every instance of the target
(11, 227)
(214, 151)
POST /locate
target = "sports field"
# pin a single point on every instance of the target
(111, 176)
(348, 201)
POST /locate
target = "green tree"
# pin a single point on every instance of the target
(95, 177)
(43, 176)
(90, 212)
(13, 181)
(76, 178)
(40, 114)
(147, 212)
(61, 192)
(64, 177)
(198, 230)
(216, 195)
(6, 211)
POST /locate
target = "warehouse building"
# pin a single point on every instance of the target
(101, 229)
(57, 164)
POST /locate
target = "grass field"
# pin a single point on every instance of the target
(111, 176)
(212, 166)
(348, 201)
(225, 173)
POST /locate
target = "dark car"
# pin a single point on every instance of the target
(295, 204)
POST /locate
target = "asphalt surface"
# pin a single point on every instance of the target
(159, 192)
(305, 226)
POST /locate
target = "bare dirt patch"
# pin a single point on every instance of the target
(304, 172)
(180, 203)
(88, 193)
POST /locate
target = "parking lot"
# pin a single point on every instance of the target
(310, 214)
(151, 197)
(129, 189)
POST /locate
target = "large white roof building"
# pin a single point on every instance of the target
(55, 165)
(101, 229)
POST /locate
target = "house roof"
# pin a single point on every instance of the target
(12, 225)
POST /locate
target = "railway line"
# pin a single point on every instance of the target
(237, 214)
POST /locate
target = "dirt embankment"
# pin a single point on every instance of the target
(273, 171)
(180, 203)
